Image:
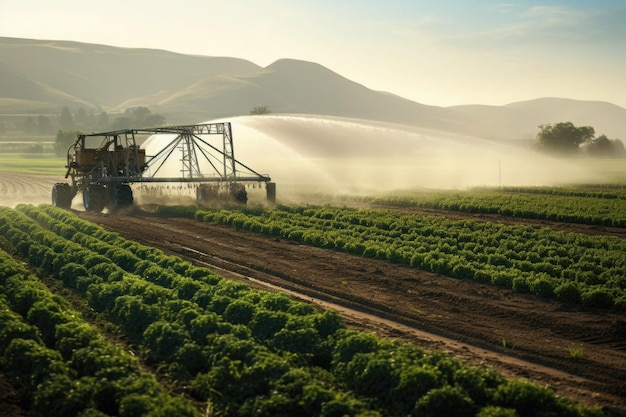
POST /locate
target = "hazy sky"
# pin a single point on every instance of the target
(433, 52)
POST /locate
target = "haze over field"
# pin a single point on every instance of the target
(365, 96)
(330, 155)
(305, 154)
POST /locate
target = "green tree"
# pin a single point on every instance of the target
(43, 124)
(563, 138)
(29, 124)
(84, 119)
(121, 122)
(604, 147)
(600, 146)
(66, 121)
(144, 117)
(103, 119)
(261, 110)
(618, 148)
(138, 117)
(63, 141)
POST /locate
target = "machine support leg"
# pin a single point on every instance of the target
(270, 188)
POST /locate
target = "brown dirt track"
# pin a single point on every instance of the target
(520, 335)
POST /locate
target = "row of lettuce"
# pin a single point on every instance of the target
(62, 364)
(606, 208)
(225, 348)
(573, 268)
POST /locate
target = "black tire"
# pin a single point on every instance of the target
(122, 196)
(94, 198)
(62, 195)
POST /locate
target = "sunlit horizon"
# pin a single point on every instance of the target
(476, 52)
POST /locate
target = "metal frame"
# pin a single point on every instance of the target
(120, 153)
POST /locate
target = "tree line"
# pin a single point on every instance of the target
(70, 126)
(566, 139)
(88, 120)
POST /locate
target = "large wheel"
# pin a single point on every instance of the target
(94, 198)
(62, 195)
(122, 196)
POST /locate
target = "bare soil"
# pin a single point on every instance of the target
(9, 400)
(16, 188)
(577, 353)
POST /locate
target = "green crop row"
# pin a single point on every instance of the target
(253, 353)
(37, 164)
(62, 365)
(573, 268)
(610, 191)
(191, 327)
(608, 209)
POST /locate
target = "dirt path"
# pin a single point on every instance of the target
(520, 335)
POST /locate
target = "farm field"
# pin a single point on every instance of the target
(573, 348)
(16, 188)
(570, 267)
(593, 204)
(32, 164)
(488, 324)
(218, 345)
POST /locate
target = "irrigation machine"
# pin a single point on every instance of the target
(103, 166)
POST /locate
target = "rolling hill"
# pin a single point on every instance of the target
(43, 75)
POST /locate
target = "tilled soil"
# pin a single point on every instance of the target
(577, 353)
(16, 188)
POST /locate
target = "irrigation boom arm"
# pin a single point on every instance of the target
(102, 166)
(197, 153)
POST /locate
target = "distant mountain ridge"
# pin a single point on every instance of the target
(43, 75)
